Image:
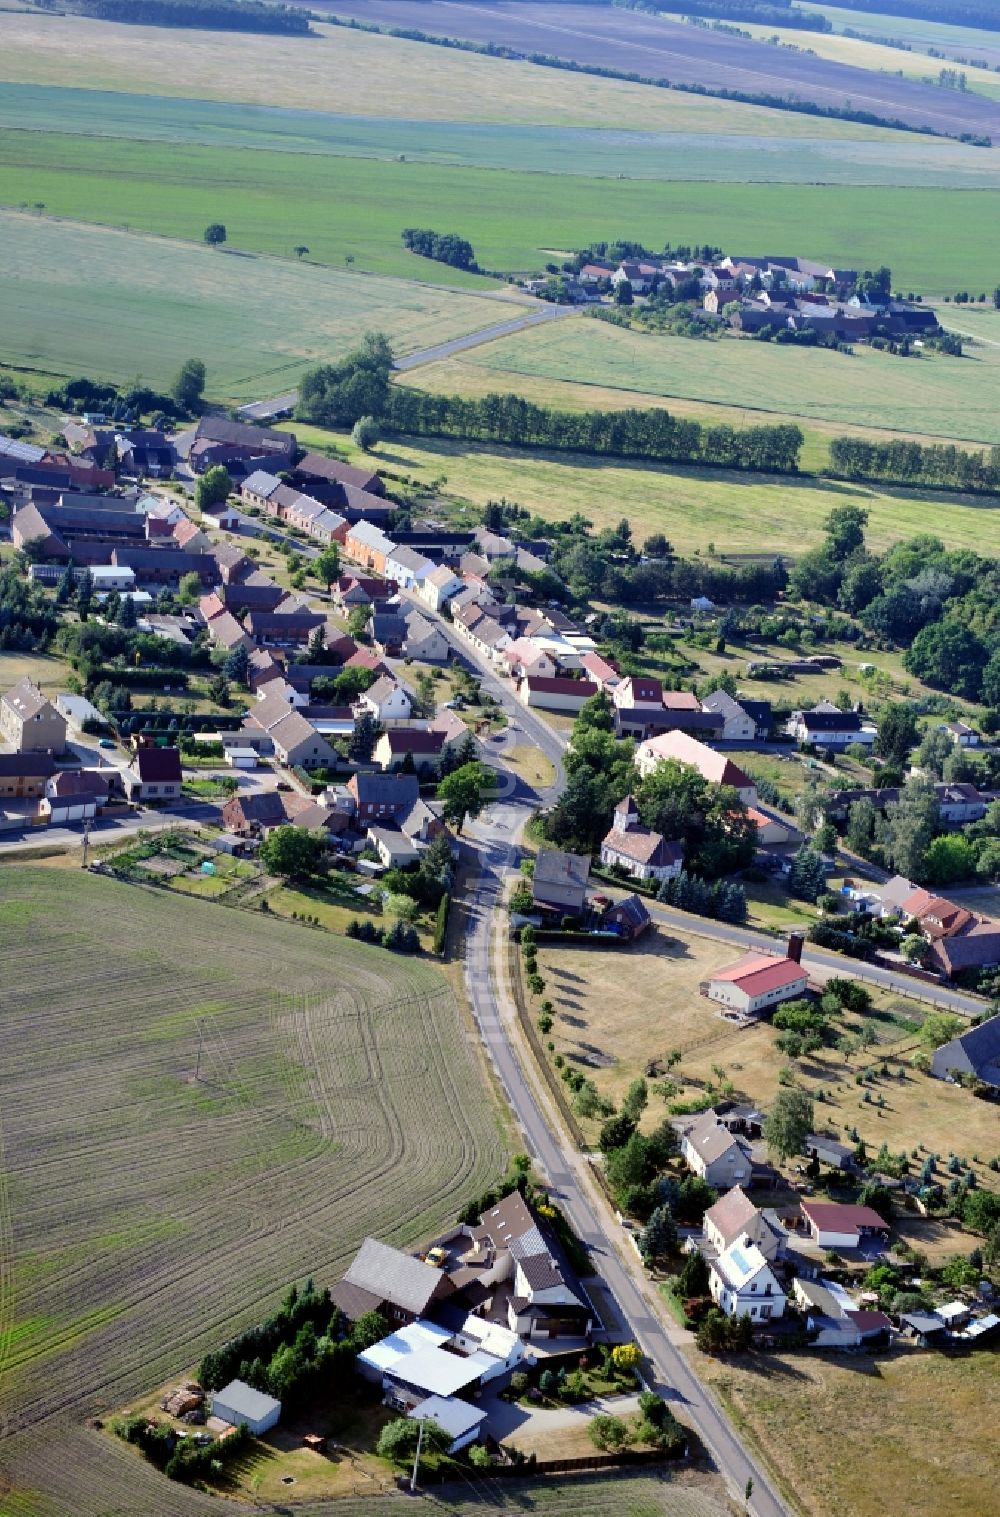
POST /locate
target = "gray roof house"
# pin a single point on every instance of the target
(560, 881)
(385, 1279)
(716, 1154)
(975, 1053)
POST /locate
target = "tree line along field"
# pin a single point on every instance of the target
(695, 507)
(934, 240)
(919, 32)
(79, 299)
(938, 396)
(149, 1214)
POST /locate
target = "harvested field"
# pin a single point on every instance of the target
(379, 76)
(635, 42)
(615, 1009)
(841, 1431)
(151, 1214)
(82, 299)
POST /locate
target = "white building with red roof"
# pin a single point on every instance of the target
(834, 1225)
(758, 982)
(712, 766)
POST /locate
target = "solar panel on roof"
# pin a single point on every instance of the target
(739, 1260)
(24, 452)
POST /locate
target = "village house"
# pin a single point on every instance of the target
(154, 775)
(387, 630)
(555, 693)
(975, 950)
(825, 725)
(742, 1283)
(424, 640)
(742, 721)
(261, 811)
(382, 797)
(559, 884)
(354, 592)
(516, 1268)
(710, 1150)
(386, 700)
(240, 447)
(29, 722)
(974, 1054)
(368, 545)
(258, 490)
(438, 586)
(524, 657)
(642, 853)
(409, 745)
(393, 848)
(481, 629)
(758, 982)
(23, 775)
(407, 567)
(601, 670)
(628, 918)
(637, 693)
(712, 766)
(734, 1216)
(961, 734)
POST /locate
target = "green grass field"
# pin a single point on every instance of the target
(933, 239)
(596, 150)
(917, 31)
(694, 507)
(938, 395)
(145, 1214)
(87, 300)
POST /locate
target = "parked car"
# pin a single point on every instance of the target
(107, 742)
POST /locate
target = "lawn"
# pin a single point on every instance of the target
(82, 299)
(352, 207)
(148, 1215)
(937, 396)
(843, 1432)
(694, 507)
(616, 1009)
(531, 764)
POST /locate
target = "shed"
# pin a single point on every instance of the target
(238, 1402)
(459, 1421)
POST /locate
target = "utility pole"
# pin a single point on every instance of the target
(86, 844)
(416, 1457)
(201, 1044)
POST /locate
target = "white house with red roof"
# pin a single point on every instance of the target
(834, 1225)
(759, 981)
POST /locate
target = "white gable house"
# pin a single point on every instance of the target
(742, 1283)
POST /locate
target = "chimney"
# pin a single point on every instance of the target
(795, 947)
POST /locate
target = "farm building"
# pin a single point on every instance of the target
(460, 1422)
(382, 1278)
(833, 1225)
(238, 1402)
(29, 722)
(556, 694)
(759, 981)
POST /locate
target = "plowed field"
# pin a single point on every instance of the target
(145, 1214)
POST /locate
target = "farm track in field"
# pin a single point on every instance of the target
(150, 1215)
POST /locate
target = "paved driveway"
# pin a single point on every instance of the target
(507, 1418)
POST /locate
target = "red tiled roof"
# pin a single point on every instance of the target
(757, 973)
(561, 686)
(833, 1217)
